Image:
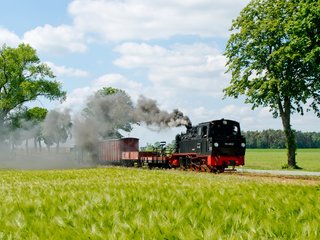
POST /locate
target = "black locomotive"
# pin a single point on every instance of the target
(213, 145)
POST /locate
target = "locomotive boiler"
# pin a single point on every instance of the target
(210, 146)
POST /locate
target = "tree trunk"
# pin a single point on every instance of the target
(58, 146)
(2, 128)
(27, 146)
(35, 144)
(39, 142)
(285, 114)
(291, 146)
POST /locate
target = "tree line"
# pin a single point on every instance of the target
(276, 139)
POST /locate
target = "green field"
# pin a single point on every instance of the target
(307, 159)
(121, 203)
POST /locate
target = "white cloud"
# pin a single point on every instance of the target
(56, 40)
(265, 112)
(195, 69)
(202, 114)
(234, 110)
(8, 37)
(65, 71)
(77, 97)
(116, 81)
(134, 89)
(249, 119)
(119, 20)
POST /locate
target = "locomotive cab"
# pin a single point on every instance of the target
(195, 140)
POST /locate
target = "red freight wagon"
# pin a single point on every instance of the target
(122, 151)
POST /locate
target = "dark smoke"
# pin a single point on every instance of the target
(25, 148)
(102, 118)
(86, 135)
(105, 115)
(147, 111)
(57, 126)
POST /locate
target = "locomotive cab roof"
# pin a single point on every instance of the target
(217, 122)
(206, 129)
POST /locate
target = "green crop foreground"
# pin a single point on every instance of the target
(120, 203)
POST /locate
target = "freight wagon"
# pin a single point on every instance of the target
(124, 151)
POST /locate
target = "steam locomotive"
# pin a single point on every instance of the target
(210, 146)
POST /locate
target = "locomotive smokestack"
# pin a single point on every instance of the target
(189, 126)
(147, 111)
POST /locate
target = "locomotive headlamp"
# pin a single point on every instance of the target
(243, 144)
(216, 144)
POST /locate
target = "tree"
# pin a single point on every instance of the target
(24, 78)
(15, 126)
(274, 58)
(25, 124)
(36, 116)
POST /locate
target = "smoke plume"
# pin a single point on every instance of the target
(24, 147)
(105, 115)
(57, 127)
(102, 118)
(147, 111)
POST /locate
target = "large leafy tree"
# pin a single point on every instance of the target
(274, 57)
(24, 78)
(26, 123)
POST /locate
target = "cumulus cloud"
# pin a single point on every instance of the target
(56, 40)
(196, 68)
(234, 110)
(123, 20)
(66, 71)
(120, 20)
(77, 97)
(117, 81)
(259, 118)
(133, 88)
(8, 37)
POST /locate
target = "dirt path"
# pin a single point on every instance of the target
(280, 172)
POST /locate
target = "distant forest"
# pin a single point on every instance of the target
(275, 139)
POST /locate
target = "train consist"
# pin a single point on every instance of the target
(210, 146)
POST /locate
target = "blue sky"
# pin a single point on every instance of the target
(167, 50)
